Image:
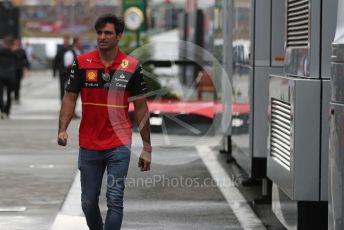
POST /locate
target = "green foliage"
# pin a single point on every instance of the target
(153, 85)
(128, 42)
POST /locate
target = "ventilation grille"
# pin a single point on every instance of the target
(298, 23)
(280, 132)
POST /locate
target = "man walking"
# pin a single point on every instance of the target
(7, 76)
(22, 66)
(107, 80)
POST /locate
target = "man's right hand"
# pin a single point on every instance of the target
(62, 138)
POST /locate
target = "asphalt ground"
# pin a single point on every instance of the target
(39, 184)
(35, 173)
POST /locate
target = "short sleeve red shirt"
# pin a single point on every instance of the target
(105, 94)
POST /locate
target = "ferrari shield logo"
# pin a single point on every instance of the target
(124, 63)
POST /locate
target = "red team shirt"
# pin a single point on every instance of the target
(105, 94)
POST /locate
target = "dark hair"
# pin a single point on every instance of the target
(118, 22)
(75, 40)
(7, 41)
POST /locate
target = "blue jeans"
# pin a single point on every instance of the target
(92, 164)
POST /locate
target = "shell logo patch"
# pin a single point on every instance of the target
(91, 75)
(124, 63)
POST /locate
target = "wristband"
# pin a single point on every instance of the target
(147, 148)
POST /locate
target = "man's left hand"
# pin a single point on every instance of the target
(145, 160)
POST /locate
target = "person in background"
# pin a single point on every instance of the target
(58, 65)
(7, 75)
(22, 68)
(29, 52)
(69, 57)
(71, 54)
